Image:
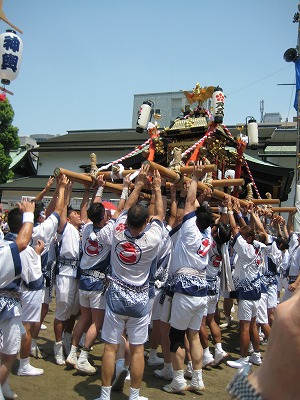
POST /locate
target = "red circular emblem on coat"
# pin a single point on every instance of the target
(92, 247)
(128, 252)
(216, 260)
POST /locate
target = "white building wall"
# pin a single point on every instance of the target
(72, 160)
(10, 199)
(169, 104)
(48, 161)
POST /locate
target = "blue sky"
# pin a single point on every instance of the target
(83, 61)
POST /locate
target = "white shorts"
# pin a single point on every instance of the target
(247, 309)
(114, 326)
(11, 331)
(67, 297)
(262, 310)
(46, 296)
(92, 299)
(272, 296)
(212, 301)
(32, 305)
(166, 309)
(187, 311)
(156, 307)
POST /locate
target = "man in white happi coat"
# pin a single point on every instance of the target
(11, 329)
(134, 247)
(188, 265)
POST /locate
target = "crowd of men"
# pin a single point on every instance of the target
(157, 266)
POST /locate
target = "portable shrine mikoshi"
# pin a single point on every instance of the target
(197, 134)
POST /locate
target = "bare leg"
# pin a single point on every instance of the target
(178, 359)
(195, 348)
(26, 340)
(45, 309)
(165, 341)
(97, 322)
(266, 330)
(203, 333)
(82, 325)
(227, 306)
(7, 361)
(155, 337)
(253, 331)
(271, 313)
(108, 363)
(69, 325)
(58, 329)
(214, 328)
(137, 365)
(244, 337)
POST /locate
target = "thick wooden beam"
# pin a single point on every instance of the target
(225, 182)
(171, 175)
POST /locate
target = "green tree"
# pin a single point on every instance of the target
(9, 139)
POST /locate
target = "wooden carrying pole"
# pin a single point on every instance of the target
(266, 201)
(74, 176)
(224, 182)
(217, 194)
(274, 209)
(171, 175)
(284, 209)
(77, 176)
(87, 179)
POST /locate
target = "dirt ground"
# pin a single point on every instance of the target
(63, 383)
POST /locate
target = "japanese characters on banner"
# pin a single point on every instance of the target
(218, 105)
(11, 48)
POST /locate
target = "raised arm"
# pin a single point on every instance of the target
(233, 225)
(57, 202)
(124, 196)
(46, 189)
(25, 233)
(65, 201)
(140, 181)
(223, 212)
(290, 222)
(98, 189)
(258, 225)
(237, 209)
(51, 205)
(164, 195)
(204, 196)
(192, 192)
(173, 206)
(181, 202)
(84, 204)
(284, 228)
(151, 208)
(159, 212)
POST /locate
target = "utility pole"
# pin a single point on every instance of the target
(297, 19)
(293, 54)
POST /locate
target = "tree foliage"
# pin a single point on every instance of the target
(9, 139)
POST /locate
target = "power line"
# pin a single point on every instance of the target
(259, 80)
